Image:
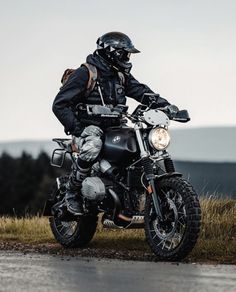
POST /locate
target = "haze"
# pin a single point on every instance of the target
(187, 55)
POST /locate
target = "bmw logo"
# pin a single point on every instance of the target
(116, 139)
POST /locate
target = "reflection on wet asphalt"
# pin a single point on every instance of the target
(33, 272)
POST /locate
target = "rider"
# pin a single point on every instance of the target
(114, 82)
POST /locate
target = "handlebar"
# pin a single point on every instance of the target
(120, 111)
(171, 111)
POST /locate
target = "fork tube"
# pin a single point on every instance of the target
(143, 152)
(148, 170)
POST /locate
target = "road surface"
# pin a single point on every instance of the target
(34, 272)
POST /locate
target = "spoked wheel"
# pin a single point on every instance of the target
(72, 231)
(66, 229)
(173, 238)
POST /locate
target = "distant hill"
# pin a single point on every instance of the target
(210, 178)
(204, 144)
(198, 144)
(33, 147)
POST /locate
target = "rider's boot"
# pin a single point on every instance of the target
(74, 202)
(73, 198)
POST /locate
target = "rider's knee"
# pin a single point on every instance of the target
(91, 148)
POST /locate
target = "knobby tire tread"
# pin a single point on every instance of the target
(82, 236)
(193, 213)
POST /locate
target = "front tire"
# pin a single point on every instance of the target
(173, 238)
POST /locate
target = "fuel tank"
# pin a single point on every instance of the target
(120, 146)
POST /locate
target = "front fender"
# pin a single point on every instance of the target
(170, 174)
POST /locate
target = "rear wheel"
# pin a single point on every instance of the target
(74, 233)
(173, 238)
(68, 230)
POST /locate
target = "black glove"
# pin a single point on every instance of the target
(154, 101)
(171, 110)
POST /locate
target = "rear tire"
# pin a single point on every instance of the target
(173, 239)
(74, 233)
(78, 231)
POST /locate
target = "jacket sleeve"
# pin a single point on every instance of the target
(136, 90)
(69, 92)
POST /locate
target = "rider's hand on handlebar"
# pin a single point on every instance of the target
(171, 109)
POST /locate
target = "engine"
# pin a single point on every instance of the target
(93, 189)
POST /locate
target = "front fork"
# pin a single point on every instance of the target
(152, 190)
(148, 170)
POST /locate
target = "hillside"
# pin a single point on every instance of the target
(204, 144)
(210, 178)
(33, 147)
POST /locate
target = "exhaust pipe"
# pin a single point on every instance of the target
(116, 202)
(125, 218)
(134, 222)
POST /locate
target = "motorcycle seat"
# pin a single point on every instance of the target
(64, 143)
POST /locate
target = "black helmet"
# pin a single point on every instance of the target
(115, 48)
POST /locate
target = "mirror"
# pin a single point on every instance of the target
(58, 157)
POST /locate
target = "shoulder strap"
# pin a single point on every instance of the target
(93, 74)
(122, 78)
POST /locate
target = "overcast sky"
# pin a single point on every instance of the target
(187, 55)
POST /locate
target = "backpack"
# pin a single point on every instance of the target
(92, 76)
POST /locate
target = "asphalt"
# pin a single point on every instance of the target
(34, 272)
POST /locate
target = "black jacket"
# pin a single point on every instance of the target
(114, 92)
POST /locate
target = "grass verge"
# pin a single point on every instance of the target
(217, 242)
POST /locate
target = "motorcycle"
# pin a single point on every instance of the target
(133, 184)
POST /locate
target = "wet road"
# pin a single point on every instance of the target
(33, 272)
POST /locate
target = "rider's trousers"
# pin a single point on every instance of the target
(89, 145)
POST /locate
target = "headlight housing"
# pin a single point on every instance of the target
(159, 138)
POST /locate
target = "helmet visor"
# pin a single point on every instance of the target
(132, 50)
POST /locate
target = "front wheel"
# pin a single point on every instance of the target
(174, 237)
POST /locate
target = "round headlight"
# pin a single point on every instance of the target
(159, 138)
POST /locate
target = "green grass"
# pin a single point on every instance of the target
(217, 240)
